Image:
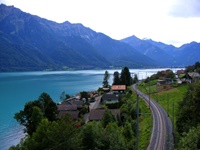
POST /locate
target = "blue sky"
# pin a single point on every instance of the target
(170, 21)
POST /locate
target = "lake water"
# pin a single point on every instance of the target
(17, 88)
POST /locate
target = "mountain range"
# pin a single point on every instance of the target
(29, 43)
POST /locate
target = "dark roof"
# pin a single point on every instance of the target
(62, 107)
(73, 101)
(109, 97)
(194, 74)
(73, 114)
(178, 72)
(97, 114)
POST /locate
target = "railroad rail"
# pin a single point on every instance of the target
(162, 131)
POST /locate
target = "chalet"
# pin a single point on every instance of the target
(71, 109)
(165, 72)
(179, 72)
(64, 107)
(97, 114)
(192, 76)
(74, 101)
(109, 98)
(161, 82)
(118, 88)
(106, 90)
(73, 114)
(165, 81)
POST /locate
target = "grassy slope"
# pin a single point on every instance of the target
(167, 98)
(145, 124)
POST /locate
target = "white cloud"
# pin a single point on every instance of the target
(185, 8)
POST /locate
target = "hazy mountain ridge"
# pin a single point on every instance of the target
(31, 34)
(149, 50)
(28, 42)
(167, 55)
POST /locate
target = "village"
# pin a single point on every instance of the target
(92, 108)
(94, 105)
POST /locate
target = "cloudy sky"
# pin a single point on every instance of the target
(170, 21)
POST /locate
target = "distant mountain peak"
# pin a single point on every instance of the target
(145, 39)
(29, 42)
(38, 44)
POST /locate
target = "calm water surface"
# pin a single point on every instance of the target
(20, 87)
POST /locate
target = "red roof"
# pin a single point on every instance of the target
(118, 87)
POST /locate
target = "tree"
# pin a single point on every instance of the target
(116, 79)
(129, 135)
(105, 79)
(91, 136)
(64, 96)
(113, 138)
(193, 68)
(190, 140)
(34, 111)
(189, 114)
(125, 76)
(108, 117)
(170, 74)
(49, 106)
(24, 117)
(56, 135)
(85, 95)
(135, 79)
(36, 118)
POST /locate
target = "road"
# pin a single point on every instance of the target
(162, 133)
(94, 105)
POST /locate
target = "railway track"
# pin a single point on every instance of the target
(162, 131)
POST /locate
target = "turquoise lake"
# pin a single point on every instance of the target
(17, 88)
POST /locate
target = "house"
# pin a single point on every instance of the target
(182, 78)
(119, 88)
(192, 76)
(161, 82)
(109, 98)
(68, 108)
(73, 114)
(179, 72)
(74, 101)
(64, 107)
(165, 81)
(165, 72)
(97, 114)
(106, 90)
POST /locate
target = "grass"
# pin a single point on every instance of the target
(168, 98)
(145, 124)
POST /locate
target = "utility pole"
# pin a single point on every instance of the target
(173, 119)
(149, 92)
(173, 114)
(168, 104)
(137, 128)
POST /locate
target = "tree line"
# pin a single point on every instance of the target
(123, 78)
(188, 117)
(46, 131)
